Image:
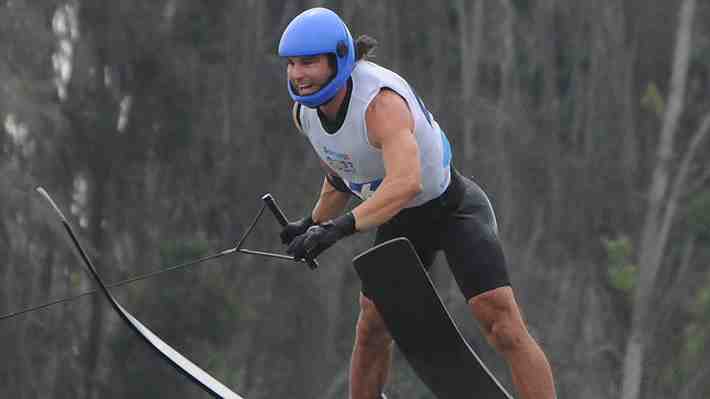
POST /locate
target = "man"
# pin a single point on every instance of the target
(377, 141)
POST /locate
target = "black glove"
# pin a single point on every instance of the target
(320, 237)
(295, 229)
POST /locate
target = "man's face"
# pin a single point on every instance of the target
(308, 74)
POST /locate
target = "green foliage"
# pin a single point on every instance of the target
(695, 341)
(696, 336)
(701, 56)
(653, 101)
(699, 216)
(173, 252)
(76, 277)
(191, 311)
(622, 274)
(522, 6)
(210, 125)
(702, 307)
(204, 27)
(567, 112)
(530, 74)
(214, 305)
(571, 61)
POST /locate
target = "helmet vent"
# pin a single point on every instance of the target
(342, 49)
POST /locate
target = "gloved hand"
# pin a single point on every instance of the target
(295, 229)
(320, 237)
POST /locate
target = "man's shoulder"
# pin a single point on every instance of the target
(387, 98)
(388, 111)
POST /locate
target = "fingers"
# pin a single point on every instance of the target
(296, 247)
(310, 243)
(294, 229)
(307, 245)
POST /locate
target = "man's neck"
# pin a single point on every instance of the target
(331, 108)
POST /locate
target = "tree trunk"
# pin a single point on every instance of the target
(98, 305)
(470, 38)
(507, 102)
(655, 231)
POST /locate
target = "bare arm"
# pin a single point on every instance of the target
(391, 128)
(331, 203)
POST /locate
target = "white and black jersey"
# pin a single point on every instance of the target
(348, 152)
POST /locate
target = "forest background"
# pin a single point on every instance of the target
(157, 125)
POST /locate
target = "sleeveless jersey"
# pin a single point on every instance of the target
(349, 153)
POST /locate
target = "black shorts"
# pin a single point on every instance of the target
(461, 223)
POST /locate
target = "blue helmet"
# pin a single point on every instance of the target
(319, 31)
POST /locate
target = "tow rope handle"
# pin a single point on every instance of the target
(281, 218)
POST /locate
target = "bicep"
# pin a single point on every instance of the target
(400, 154)
(391, 129)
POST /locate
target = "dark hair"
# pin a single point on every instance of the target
(365, 47)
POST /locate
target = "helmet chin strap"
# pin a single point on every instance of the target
(322, 86)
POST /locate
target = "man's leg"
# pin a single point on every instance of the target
(505, 330)
(372, 353)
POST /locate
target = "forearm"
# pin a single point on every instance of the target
(331, 203)
(391, 197)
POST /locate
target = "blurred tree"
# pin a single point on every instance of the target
(158, 125)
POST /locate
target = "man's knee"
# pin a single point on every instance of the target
(371, 329)
(506, 336)
(500, 319)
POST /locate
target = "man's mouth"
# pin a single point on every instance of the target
(305, 88)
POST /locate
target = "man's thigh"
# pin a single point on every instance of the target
(472, 247)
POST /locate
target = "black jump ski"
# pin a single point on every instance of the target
(421, 326)
(200, 377)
